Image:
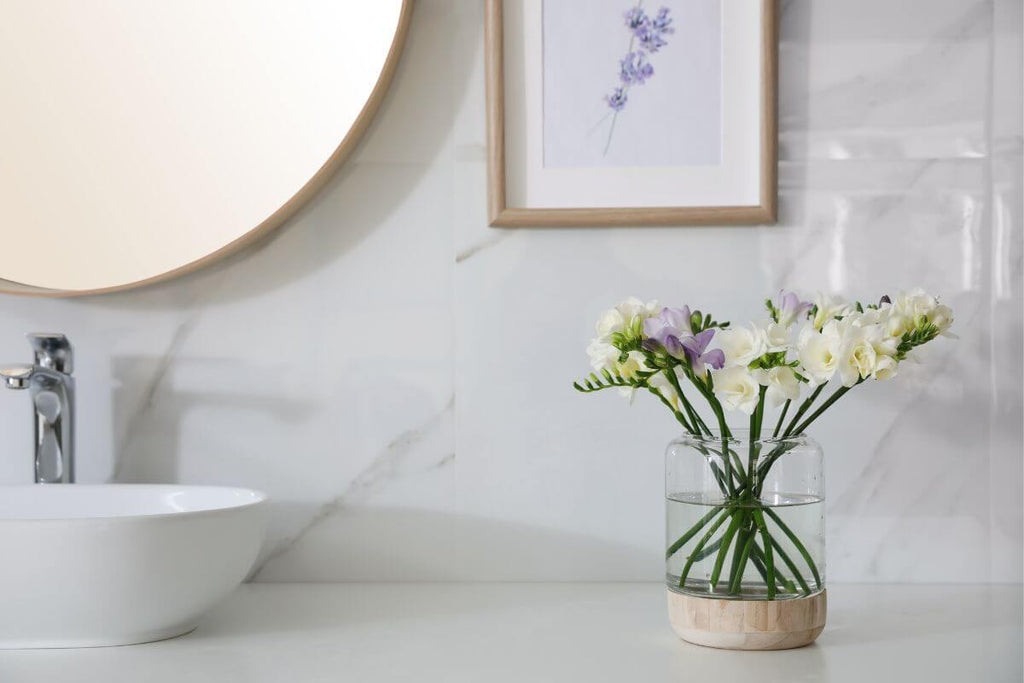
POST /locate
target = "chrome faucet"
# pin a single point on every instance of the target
(52, 388)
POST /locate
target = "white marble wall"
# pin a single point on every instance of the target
(397, 375)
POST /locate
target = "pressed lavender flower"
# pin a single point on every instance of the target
(662, 23)
(651, 33)
(647, 36)
(649, 39)
(635, 18)
(617, 99)
(635, 69)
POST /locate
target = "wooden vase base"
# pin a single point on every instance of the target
(747, 624)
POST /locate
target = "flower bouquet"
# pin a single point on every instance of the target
(745, 508)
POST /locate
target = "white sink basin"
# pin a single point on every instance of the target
(84, 566)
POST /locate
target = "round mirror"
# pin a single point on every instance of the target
(144, 138)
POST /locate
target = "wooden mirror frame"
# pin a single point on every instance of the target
(289, 208)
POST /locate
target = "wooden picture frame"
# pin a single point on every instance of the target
(500, 214)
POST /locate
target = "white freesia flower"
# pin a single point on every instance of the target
(633, 306)
(611, 321)
(665, 388)
(866, 349)
(616, 319)
(776, 336)
(888, 326)
(914, 303)
(629, 369)
(782, 384)
(742, 345)
(857, 355)
(942, 317)
(634, 364)
(603, 356)
(867, 317)
(917, 304)
(736, 388)
(895, 323)
(818, 352)
(885, 367)
(828, 308)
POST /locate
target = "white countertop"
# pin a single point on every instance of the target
(295, 633)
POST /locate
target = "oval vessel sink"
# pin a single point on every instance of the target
(116, 564)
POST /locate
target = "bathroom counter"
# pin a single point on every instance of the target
(489, 633)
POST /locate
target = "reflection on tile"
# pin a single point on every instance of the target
(914, 85)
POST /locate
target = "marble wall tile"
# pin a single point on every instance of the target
(877, 80)
(1005, 283)
(397, 375)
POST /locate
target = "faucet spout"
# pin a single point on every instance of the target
(52, 389)
(17, 376)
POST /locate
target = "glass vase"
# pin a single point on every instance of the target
(745, 543)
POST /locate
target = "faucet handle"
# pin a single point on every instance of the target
(52, 351)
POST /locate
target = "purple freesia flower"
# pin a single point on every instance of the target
(634, 69)
(669, 327)
(617, 99)
(789, 307)
(698, 355)
(672, 330)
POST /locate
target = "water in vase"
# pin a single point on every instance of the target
(722, 549)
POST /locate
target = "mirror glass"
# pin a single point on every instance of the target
(143, 138)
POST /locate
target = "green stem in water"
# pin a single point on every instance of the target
(708, 551)
(792, 566)
(741, 541)
(757, 559)
(700, 546)
(730, 531)
(693, 531)
(769, 561)
(741, 563)
(797, 544)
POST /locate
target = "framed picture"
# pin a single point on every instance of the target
(623, 112)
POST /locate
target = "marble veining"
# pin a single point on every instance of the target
(396, 374)
(386, 466)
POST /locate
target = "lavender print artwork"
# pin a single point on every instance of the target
(632, 84)
(647, 35)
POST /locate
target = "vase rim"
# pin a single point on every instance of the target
(739, 435)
